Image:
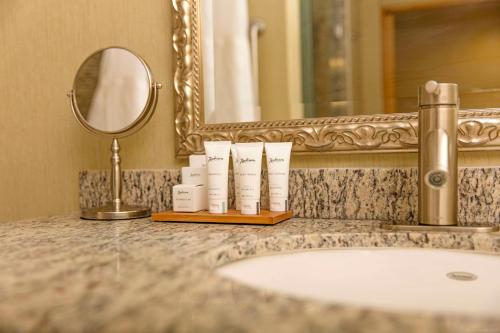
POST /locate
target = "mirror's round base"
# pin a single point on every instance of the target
(108, 212)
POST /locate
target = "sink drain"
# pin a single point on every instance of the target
(461, 276)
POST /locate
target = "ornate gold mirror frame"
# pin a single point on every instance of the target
(478, 129)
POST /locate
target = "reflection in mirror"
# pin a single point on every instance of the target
(325, 58)
(112, 89)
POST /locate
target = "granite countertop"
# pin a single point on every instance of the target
(63, 274)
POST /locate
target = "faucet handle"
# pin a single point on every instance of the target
(432, 87)
(434, 93)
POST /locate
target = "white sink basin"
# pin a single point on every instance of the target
(390, 279)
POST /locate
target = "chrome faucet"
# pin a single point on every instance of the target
(437, 154)
(438, 162)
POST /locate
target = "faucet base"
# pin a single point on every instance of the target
(474, 228)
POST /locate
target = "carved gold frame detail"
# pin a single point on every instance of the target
(478, 129)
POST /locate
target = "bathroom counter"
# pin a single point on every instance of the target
(63, 274)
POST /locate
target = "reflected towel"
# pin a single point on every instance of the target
(228, 75)
(121, 92)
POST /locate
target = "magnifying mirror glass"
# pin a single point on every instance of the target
(114, 95)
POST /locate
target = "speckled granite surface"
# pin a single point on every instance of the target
(63, 274)
(361, 194)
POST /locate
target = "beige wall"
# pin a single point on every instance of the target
(43, 42)
(43, 148)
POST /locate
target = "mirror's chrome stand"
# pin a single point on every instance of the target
(116, 209)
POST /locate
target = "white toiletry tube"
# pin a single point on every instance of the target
(217, 173)
(236, 176)
(250, 165)
(278, 169)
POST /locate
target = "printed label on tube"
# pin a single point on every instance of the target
(236, 176)
(217, 153)
(278, 168)
(250, 165)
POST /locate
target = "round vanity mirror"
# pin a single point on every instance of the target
(114, 95)
(113, 92)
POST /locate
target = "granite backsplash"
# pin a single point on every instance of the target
(351, 194)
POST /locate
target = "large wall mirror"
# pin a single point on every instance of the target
(332, 75)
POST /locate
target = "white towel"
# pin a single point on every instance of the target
(121, 92)
(227, 73)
